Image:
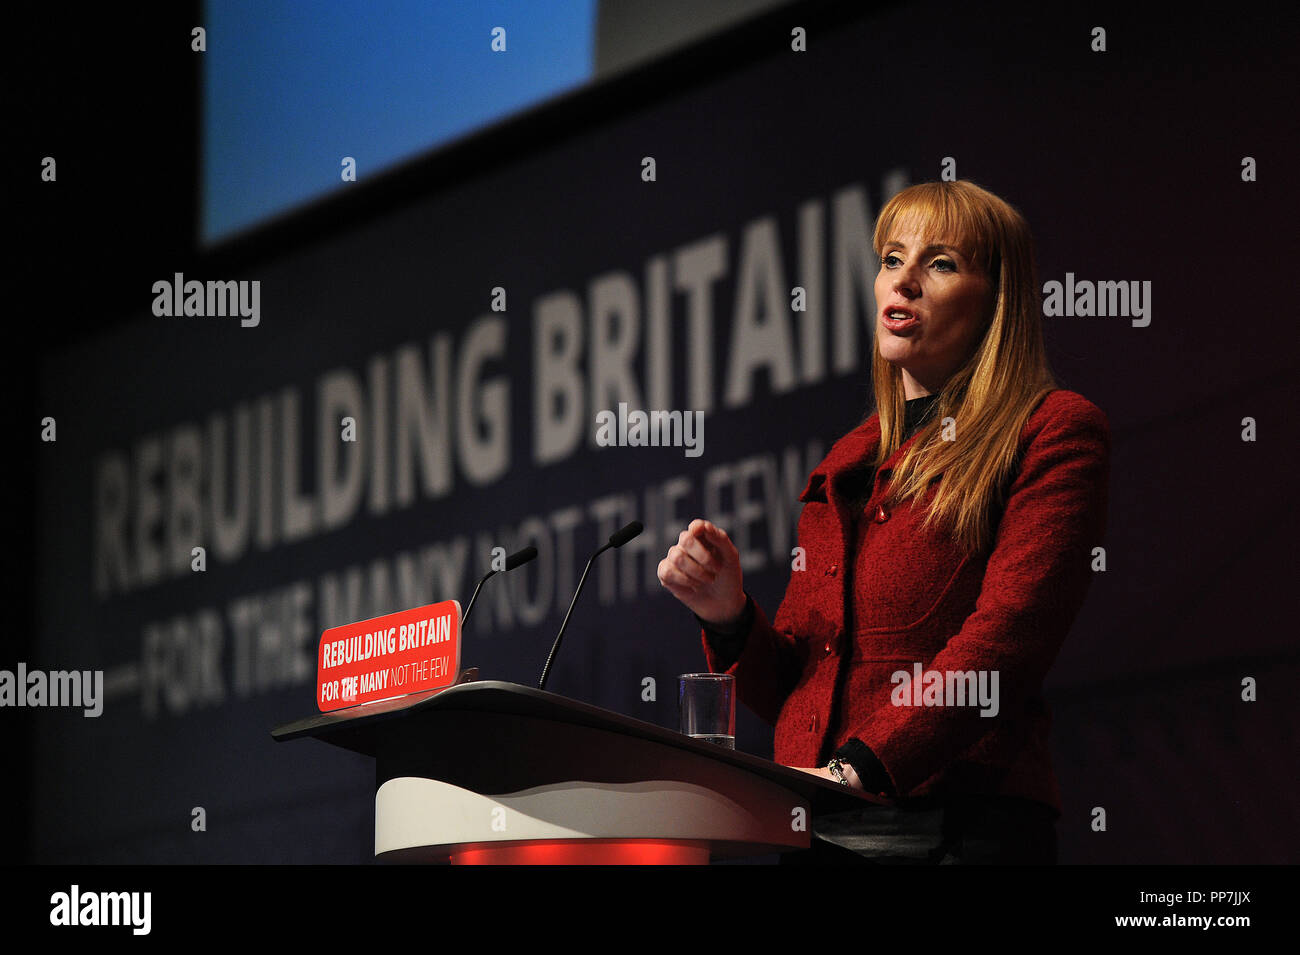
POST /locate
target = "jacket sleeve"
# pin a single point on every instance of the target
(768, 667)
(1034, 584)
(728, 645)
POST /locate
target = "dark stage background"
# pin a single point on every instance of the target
(770, 168)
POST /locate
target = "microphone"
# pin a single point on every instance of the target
(616, 539)
(513, 561)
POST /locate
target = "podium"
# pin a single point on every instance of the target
(495, 772)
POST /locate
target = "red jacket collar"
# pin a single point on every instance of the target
(854, 450)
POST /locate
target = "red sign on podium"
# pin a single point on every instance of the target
(389, 656)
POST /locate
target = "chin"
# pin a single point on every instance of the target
(893, 354)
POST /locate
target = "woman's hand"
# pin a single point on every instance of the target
(825, 773)
(702, 570)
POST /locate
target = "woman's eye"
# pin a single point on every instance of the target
(945, 265)
(889, 260)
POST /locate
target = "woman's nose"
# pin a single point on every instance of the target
(905, 283)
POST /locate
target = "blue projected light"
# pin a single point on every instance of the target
(289, 89)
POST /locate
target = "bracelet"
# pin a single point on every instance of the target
(836, 766)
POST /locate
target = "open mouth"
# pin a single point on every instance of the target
(898, 319)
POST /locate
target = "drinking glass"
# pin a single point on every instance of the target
(707, 707)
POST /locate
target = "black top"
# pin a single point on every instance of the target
(729, 644)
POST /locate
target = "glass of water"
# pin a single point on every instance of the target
(707, 707)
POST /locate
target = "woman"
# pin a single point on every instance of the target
(947, 544)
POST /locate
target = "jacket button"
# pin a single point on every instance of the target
(828, 648)
(881, 514)
(812, 726)
(830, 571)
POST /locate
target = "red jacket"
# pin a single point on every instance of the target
(918, 599)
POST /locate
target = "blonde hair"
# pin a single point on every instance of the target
(992, 395)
